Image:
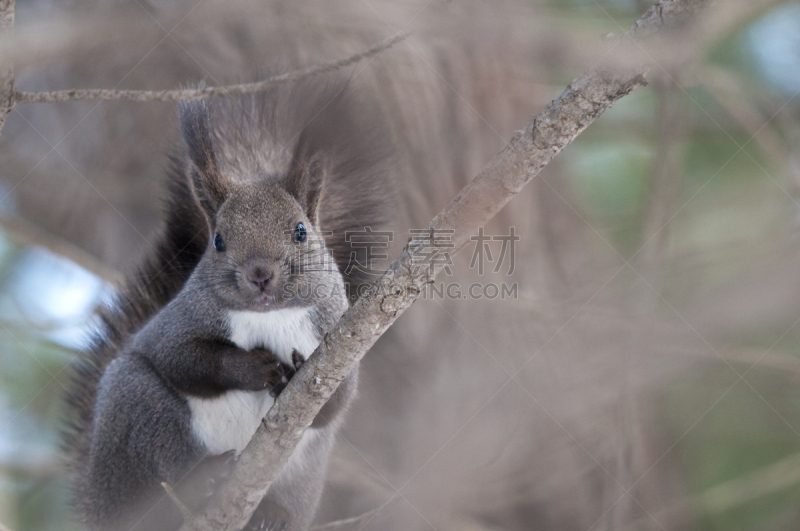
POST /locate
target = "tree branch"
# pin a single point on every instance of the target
(347, 523)
(586, 98)
(777, 477)
(665, 13)
(200, 93)
(6, 66)
(666, 185)
(185, 512)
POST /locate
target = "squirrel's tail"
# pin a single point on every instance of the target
(157, 280)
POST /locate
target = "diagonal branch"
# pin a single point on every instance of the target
(200, 93)
(586, 98)
(734, 493)
(346, 523)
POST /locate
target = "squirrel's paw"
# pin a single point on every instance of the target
(286, 374)
(297, 360)
(281, 376)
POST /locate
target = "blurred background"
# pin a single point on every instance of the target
(645, 374)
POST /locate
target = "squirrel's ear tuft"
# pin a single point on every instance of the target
(208, 185)
(306, 182)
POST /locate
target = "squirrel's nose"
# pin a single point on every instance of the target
(260, 275)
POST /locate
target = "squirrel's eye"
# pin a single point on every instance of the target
(300, 233)
(219, 245)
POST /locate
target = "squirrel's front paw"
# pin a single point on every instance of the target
(297, 360)
(278, 380)
(260, 370)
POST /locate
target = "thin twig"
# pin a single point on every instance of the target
(185, 512)
(788, 366)
(530, 150)
(757, 484)
(6, 66)
(727, 91)
(345, 523)
(200, 93)
(666, 185)
(734, 493)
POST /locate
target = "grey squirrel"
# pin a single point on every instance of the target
(247, 276)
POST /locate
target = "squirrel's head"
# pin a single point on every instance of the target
(266, 250)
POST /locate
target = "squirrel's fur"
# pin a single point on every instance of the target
(267, 135)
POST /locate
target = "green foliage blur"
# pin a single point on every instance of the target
(736, 201)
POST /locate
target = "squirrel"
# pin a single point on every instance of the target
(248, 273)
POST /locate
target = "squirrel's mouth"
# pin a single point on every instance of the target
(266, 299)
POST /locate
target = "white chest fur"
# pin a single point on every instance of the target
(228, 421)
(280, 331)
